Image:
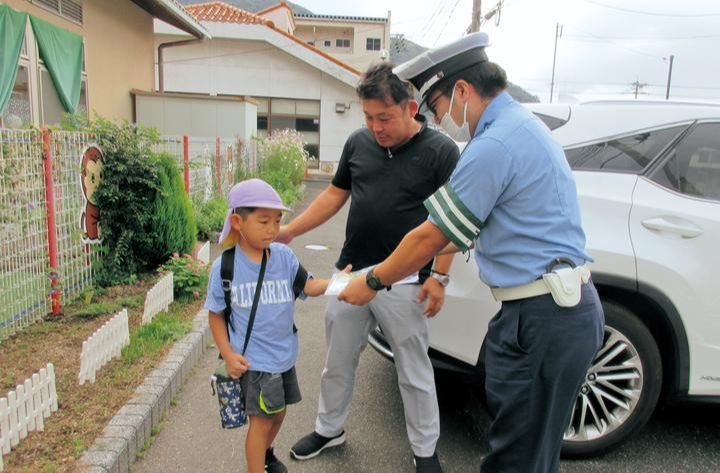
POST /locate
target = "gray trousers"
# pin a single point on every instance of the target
(406, 329)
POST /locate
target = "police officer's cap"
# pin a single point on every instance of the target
(429, 68)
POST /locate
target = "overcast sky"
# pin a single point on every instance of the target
(606, 45)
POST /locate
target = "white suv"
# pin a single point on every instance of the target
(648, 178)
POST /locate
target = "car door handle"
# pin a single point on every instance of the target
(679, 226)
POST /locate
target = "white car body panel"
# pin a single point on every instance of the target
(605, 203)
(676, 239)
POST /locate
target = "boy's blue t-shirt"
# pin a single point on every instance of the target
(273, 345)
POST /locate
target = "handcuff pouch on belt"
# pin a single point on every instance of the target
(565, 283)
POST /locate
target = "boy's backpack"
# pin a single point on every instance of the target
(227, 268)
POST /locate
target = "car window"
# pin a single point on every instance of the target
(627, 154)
(551, 122)
(693, 166)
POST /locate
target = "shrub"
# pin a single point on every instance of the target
(283, 159)
(173, 228)
(190, 277)
(145, 215)
(210, 216)
(126, 197)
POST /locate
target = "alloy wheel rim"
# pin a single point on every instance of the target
(611, 390)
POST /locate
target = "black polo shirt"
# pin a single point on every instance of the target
(388, 187)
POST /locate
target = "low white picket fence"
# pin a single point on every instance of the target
(26, 408)
(158, 298)
(204, 253)
(105, 344)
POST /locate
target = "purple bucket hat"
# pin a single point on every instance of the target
(250, 193)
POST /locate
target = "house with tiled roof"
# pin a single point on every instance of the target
(77, 56)
(355, 40)
(295, 84)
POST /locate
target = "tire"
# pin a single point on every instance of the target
(621, 388)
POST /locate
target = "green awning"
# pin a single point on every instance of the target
(62, 52)
(12, 33)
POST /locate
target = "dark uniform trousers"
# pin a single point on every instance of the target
(537, 357)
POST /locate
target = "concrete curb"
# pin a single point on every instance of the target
(115, 450)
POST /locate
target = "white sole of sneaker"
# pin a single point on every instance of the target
(332, 443)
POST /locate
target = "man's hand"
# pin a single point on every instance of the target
(357, 292)
(236, 364)
(284, 235)
(434, 292)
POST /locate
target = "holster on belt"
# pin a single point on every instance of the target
(564, 284)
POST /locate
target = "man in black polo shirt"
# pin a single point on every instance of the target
(389, 168)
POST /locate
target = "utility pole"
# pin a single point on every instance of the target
(667, 91)
(475, 24)
(637, 87)
(558, 34)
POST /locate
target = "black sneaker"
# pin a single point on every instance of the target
(312, 444)
(427, 464)
(272, 464)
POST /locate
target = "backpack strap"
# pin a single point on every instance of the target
(227, 266)
(301, 278)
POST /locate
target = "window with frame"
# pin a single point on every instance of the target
(19, 108)
(327, 43)
(69, 9)
(18, 111)
(372, 44)
(342, 43)
(628, 154)
(693, 166)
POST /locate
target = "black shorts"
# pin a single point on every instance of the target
(267, 394)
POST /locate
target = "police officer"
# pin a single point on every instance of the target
(512, 196)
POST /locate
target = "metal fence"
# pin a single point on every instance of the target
(24, 282)
(43, 258)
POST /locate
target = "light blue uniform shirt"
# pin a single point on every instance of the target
(513, 193)
(273, 345)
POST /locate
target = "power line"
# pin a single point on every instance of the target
(615, 43)
(442, 30)
(640, 12)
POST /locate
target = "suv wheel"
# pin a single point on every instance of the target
(621, 388)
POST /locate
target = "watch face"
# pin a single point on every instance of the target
(373, 282)
(443, 280)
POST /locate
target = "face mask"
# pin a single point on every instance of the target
(458, 133)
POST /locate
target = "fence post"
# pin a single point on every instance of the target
(52, 229)
(229, 165)
(218, 172)
(186, 160)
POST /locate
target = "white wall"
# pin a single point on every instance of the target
(197, 116)
(257, 68)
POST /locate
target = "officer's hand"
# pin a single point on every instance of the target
(236, 364)
(284, 235)
(357, 292)
(434, 292)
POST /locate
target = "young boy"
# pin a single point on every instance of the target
(267, 365)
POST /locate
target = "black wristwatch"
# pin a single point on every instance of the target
(374, 282)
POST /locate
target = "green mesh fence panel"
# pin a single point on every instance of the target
(24, 282)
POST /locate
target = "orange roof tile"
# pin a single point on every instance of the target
(224, 13)
(275, 7)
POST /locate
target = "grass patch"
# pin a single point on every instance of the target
(152, 338)
(95, 309)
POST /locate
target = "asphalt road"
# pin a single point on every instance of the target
(677, 439)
